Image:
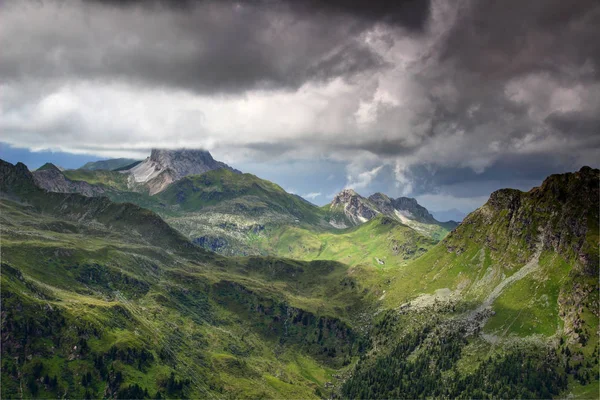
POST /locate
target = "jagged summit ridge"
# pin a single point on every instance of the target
(406, 206)
(356, 208)
(349, 207)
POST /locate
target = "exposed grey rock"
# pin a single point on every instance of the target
(164, 167)
(355, 207)
(405, 205)
(52, 179)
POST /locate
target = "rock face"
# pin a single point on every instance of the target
(51, 178)
(355, 208)
(350, 208)
(406, 206)
(164, 167)
(15, 178)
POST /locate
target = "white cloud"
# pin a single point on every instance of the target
(312, 195)
(363, 179)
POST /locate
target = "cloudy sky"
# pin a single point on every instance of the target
(443, 100)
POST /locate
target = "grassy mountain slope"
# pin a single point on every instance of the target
(381, 242)
(518, 279)
(223, 210)
(91, 310)
(226, 191)
(107, 179)
(106, 300)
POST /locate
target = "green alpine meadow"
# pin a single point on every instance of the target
(223, 285)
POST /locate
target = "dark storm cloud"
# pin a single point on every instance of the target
(459, 96)
(523, 173)
(514, 79)
(203, 46)
(411, 14)
(575, 124)
(503, 39)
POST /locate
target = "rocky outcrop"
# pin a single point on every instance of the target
(15, 178)
(164, 167)
(356, 208)
(52, 179)
(405, 205)
(562, 213)
(350, 208)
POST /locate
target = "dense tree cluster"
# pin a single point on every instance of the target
(425, 365)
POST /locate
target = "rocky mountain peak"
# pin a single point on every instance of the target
(344, 196)
(166, 166)
(383, 203)
(407, 207)
(410, 206)
(182, 159)
(355, 207)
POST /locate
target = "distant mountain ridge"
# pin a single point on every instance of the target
(108, 165)
(233, 213)
(152, 175)
(18, 182)
(348, 208)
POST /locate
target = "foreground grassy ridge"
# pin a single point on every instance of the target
(130, 313)
(531, 261)
(557, 221)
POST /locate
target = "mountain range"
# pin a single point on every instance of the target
(181, 277)
(232, 213)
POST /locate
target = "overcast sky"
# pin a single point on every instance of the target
(445, 101)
